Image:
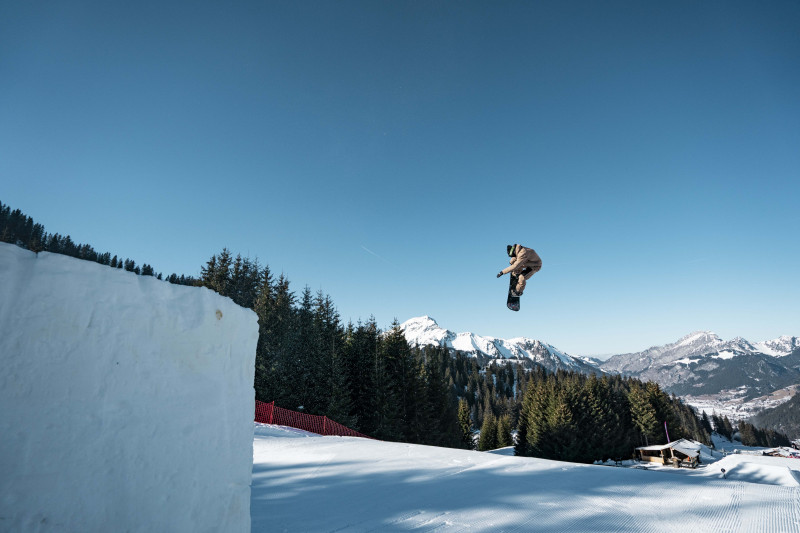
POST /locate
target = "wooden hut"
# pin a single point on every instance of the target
(677, 453)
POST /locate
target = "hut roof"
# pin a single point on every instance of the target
(684, 446)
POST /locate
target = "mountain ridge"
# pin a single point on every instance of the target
(425, 331)
(700, 363)
(703, 363)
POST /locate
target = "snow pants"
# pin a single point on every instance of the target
(525, 273)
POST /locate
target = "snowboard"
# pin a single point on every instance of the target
(513, 301)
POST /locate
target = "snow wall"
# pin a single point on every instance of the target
(126, 403)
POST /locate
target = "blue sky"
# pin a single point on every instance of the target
(386, 152)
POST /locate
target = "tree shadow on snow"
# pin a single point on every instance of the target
(336, 491)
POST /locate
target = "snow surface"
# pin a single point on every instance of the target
(126, 402)
(758, 469)
(303, 482)
(725, 355)
(698, 336)
(566, 359)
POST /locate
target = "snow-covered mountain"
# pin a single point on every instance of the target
(779, 347)
(703, 363)
(690, 348)
(424, 331)
(701, 367)
(696, 347)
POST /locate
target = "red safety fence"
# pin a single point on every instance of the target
(269, 413)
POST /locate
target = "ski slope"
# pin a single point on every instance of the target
(304, 482)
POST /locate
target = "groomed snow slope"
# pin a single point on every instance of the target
(126, 403)
(309, 483)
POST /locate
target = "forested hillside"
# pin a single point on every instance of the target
(373, 381)
(18, 228)
(784, 418)
(580, 418)
(748, 434)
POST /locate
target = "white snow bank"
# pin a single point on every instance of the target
(127, 402)
(272, 430)
(758, 469)
(508, 451)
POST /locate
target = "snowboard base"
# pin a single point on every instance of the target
(513, 301)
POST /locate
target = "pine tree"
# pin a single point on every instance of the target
(278, 345)
(717, 423)
(265, 367)
(706, 424)
(208, 272)
(330, 370)
(38, 239)
(488, 438)
(747, 434)
(622, 438)
(562, 440)
(504, 437)
(643, 414)
(361, 360)
(69, 248)
(5, 213)
(440, 408)
(465, 424)
(727, 427)
(423, 425)
(667, 415)
(584, 432)
(394, 391)
(538, 429)
(593, 420)
(522, 447)
(304, 355)
(340, 406)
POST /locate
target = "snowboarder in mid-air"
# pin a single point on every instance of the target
(524, 263)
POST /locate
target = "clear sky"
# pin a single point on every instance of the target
(387, 152)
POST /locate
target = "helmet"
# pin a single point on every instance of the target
(510, 249)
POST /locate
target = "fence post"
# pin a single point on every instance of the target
(324, 425)
(271, 411)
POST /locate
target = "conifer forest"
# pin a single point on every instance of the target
(373, 381)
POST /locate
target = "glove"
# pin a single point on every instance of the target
(499, 274)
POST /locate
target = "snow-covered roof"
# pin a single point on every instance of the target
(684, 446)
